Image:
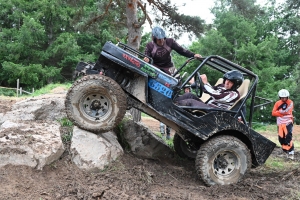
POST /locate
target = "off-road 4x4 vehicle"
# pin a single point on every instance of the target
(224, 149)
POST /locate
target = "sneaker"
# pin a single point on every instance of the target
(290, 156)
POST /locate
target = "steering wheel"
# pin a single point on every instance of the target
(199, 84)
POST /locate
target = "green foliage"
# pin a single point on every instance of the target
(275, 163)
(168, 142)
(67, 137)
(31, 76)
(144, 115)
(259, 127)
(257, 39)
(280, 164)
(8, 92)
(65, 122)
(67, 134)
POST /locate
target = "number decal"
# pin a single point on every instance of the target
(160, 88)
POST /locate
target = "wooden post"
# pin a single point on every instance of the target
(17, 87)
(32, 90)
(20, 91)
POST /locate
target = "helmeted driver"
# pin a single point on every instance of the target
(222, 96)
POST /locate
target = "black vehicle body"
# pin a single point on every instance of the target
(152, 91)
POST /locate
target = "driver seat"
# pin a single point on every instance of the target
(243, 90)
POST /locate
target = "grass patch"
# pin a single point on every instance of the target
(44, 90)
(294, 195)
(47, 89)
(279, 164)
(145, 115)
(168, 142)
(66, 130)
(66, 137)
(275, 163)
(65, 122)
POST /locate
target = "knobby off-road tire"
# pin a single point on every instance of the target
(222, 160)
(183, 149)
(96, 103)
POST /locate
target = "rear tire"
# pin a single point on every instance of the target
(183, 149)
(96, 103)
(223, 160)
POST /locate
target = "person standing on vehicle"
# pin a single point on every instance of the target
(283, 111)
(222, 95)
(159, 49)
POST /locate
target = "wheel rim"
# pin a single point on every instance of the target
(225, 163)
(96, 106)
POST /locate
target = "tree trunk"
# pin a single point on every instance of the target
(134, 29)
(134, 40)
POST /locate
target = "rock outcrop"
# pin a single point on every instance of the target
(30, 135)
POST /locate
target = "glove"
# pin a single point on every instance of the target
(282, 106)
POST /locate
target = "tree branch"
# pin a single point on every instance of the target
(146, 16)
(99, 17)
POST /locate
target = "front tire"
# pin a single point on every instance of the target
(95, 103)
(223, 160)
(183, 149)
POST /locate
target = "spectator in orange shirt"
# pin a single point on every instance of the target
(283, 111)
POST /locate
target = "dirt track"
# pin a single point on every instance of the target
(134, 178)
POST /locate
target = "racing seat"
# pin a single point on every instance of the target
(243, 90)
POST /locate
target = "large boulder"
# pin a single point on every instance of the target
(30, 143)
(93, 152)
(30, 133)
(45, 107)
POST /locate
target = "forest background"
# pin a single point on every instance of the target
(43, 40)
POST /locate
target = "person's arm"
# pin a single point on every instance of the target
(220, 95)
(182, 51)
(275, 111)
(289, 108)
(147, 52)
(203, 78)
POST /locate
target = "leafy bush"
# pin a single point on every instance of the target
(7, 92)
(31, 76)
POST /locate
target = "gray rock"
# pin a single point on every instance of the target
(30, 143)
(93, 152)
(143, 142)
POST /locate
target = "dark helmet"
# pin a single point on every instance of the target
(234, 76)
(158, 33)
(188, 86)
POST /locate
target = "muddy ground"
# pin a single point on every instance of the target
(133, 178)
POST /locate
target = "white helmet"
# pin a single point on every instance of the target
(283, 93)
